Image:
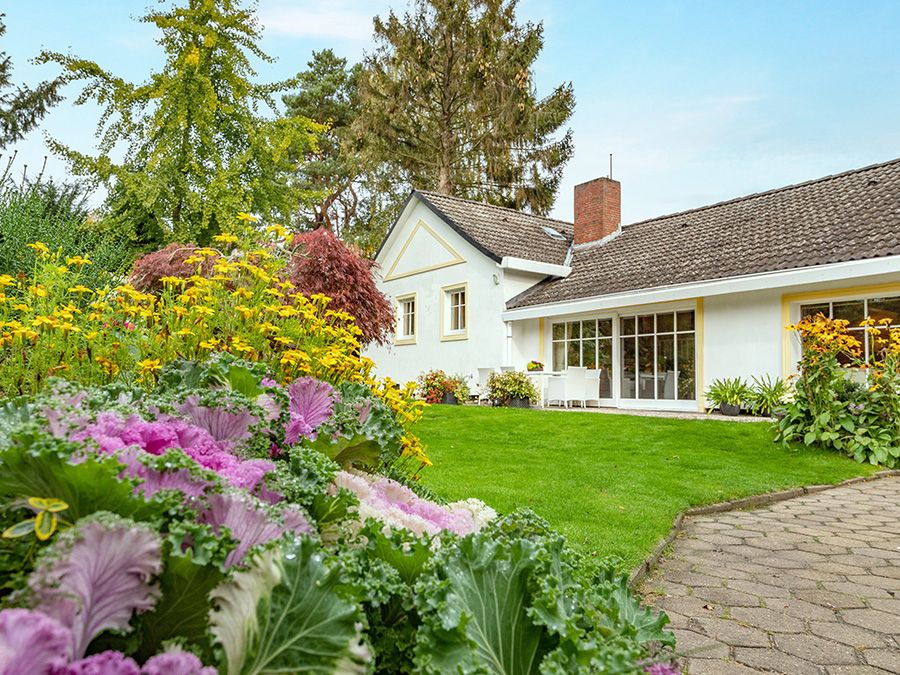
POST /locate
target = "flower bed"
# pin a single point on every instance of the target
(199, 495)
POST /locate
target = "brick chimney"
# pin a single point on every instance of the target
(598, 209)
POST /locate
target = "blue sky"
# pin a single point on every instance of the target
(698, 101)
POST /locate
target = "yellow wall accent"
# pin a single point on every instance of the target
(698, 336)
(422, 225)
(541, 340)
(850, 293)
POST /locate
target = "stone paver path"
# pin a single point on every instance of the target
(808, 585)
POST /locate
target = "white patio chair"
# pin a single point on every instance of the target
(592, 386)
(576, 385)
(484, 375)
(669, 385)
(556, 390)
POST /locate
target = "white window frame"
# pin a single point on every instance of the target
(675, 333)
(401, 336)
(447, 334)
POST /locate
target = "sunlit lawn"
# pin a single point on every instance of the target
(611, 483)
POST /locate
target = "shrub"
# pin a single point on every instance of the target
(767, 395)
(323, 264)
(731, 391)
(435, 383)
(149, 270)
(511, 384)
(829, 410)
(53, 214)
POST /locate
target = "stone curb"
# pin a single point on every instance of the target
(754, 501)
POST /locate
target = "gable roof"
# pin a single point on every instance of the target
(499, 232)
(848, 216)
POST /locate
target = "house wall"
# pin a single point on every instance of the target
(413, 261)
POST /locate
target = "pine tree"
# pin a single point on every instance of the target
(22, 108)
(448, 97)
(198, 149)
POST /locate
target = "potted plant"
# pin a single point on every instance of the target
(535, 367)
(436, 386)
(728, 395)
(512, 389)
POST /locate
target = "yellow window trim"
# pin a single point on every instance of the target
(399, 300)
(698, 351)
(457, 259)
(847, 293)
(459, 335)
(541, 340)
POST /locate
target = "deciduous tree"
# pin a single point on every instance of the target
(197, 147)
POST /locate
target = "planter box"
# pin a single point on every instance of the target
(519, 403)
(730, 409)
(449, 398)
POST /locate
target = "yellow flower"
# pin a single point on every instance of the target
(40, 248)
(173, 281)
(21, 307)
(212, 343)
(6, 280)
(109, 367)
(204, 310)
(184, 332)
(245, 311)
(266, 328)
(149, 366)
(226, 238)
(91, 336)
(80, 289)
(241, 293)
(39, 321)
(38, 290)
(278, 230)
(78, 261)
(247, 217)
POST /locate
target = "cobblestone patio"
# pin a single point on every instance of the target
(807, 585)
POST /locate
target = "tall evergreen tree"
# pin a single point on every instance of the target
(356, 198)
(21, 108)
(448, 97)
(197, 148)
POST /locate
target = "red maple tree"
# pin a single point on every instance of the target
(322, 263)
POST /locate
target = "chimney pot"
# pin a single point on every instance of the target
(598, 209)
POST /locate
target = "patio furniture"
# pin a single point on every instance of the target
(541, 379)
(484, 375)
(569, 387)
(592, 386)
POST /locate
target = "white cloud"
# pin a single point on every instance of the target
(347, 20)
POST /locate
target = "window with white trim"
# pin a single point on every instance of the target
(454, 307)
(657, 358)
(585, 343)
(855, 311)
(406, 318)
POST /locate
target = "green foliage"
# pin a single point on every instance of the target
(508, 600)
(300, 623)
(729, 390)
(22, 108)
(511, 384)
(50, 213)
(767, 394)
(37, 465)
(435, 383)
(449, 100)
(198, 149)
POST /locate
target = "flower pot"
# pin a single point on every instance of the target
(449, 398)
(519, 403)
(730, 409)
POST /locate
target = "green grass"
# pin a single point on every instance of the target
(611, 483)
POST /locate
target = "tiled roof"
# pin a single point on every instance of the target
(849, 216)
(499, 232)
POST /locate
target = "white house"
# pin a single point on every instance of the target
(662, 307)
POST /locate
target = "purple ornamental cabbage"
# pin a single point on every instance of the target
(662, 669)
(104, 663)
(311, 403)
(153, 481)
(96, 575)
(176, 663)
(249, 523)
(223, 425)
(31, 642)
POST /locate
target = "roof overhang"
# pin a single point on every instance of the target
(535, 267)
(742, 284)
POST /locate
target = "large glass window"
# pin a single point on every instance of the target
(658, 360)
(855, 312)
(585, 343)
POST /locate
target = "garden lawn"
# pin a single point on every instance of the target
(612, 484)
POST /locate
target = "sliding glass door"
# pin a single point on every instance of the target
(587, 343)
(658, 356)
